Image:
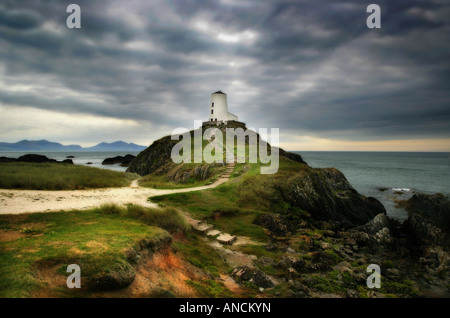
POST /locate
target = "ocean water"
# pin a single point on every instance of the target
(81, 157)
(401, 174)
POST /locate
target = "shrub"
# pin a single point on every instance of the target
(167, 218)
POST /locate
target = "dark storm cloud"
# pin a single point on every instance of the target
(308, 67)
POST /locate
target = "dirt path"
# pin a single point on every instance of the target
(29, 201)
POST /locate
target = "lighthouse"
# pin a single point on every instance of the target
(218, 109)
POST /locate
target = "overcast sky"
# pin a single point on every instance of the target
(138, 69)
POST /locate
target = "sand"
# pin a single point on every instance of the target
(31, 201)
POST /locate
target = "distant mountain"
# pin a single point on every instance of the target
(116, 146)
(37, 145)
(44, 145)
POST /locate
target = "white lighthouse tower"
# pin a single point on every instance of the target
(218, 109)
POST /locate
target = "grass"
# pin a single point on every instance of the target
(58, 176)
(246, 195)
(210, 288)
(197, 252)
(167, 218)
(92, 239)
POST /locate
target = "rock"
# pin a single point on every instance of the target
(328, 233)
(437, 257)
(89, 163)
(5, 159)
(344, 267)
(289, 250)
(327, 196)
(429, 218)
(68, 161)
(252, 275)
(322, 261)
(275, 223)
(372, 227)
(325, 245)
(383, 236)
(35, 158)
(374, 294)
(286, 262)
(351, 293)
(299, 287)
(122, 160)
(360, 238)
(293, 156)
(119, 277)
(70, 157)
(266, 261)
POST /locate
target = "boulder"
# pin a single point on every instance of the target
(429, 218)
(287, 262)
(275, 223)
(252, 275)
(375, 225)
(68, 161)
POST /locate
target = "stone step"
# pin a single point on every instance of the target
(203, 228)
(193, 222)
(226, 238)
(213, 233)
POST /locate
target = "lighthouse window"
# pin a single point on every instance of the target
(212, 104)
(212, 111)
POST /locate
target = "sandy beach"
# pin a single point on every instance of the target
(31, 201)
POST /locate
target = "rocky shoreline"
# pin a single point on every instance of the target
(413, 257)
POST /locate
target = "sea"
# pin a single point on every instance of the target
(386, 176)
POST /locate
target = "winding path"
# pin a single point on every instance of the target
(31, 201)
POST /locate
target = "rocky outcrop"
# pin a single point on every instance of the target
(34, 158)
(154, 157)
(327, 195)
(124, 161)
(293, 156)
(429, 218)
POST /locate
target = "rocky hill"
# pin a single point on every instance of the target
(323, 193)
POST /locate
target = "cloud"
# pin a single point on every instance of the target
(310, 67)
